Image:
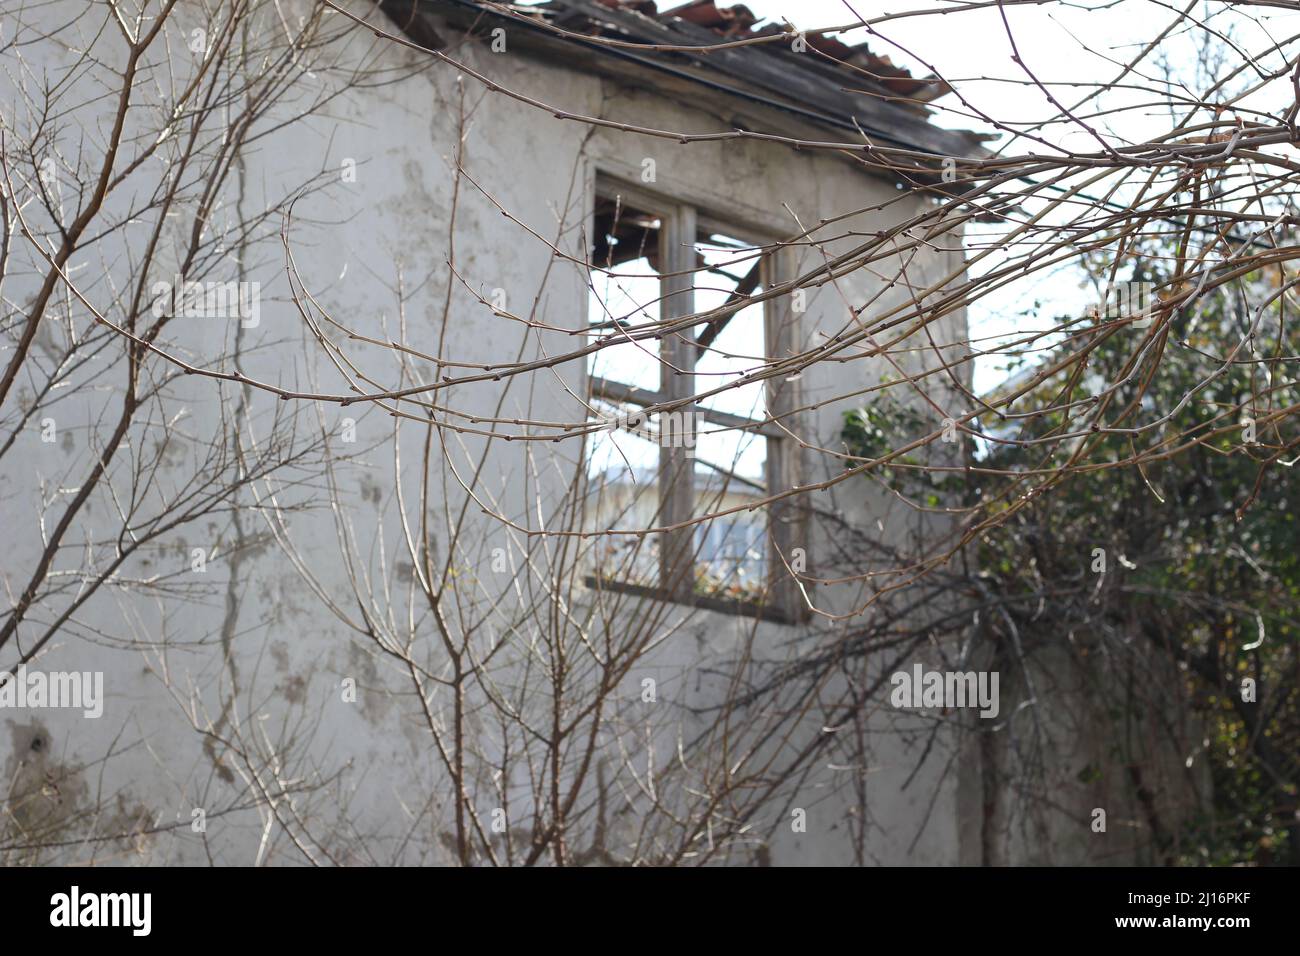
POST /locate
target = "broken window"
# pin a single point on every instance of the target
(659, 459)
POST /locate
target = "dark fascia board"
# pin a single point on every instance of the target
(767, 76)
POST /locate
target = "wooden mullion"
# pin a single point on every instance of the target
(613, 391)
(787, 525)
(676, 382)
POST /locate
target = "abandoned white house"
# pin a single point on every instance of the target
(326, 404)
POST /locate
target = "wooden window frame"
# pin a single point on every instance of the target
(680, 226)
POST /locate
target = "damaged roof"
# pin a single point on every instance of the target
(829, 84)
(738, 21)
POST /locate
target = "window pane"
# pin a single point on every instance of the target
(738, 346)
(625, 292)
(627, 443)
(623, 495)
(732, 549)
(731, 449)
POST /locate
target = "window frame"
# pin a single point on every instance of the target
(681, 223)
